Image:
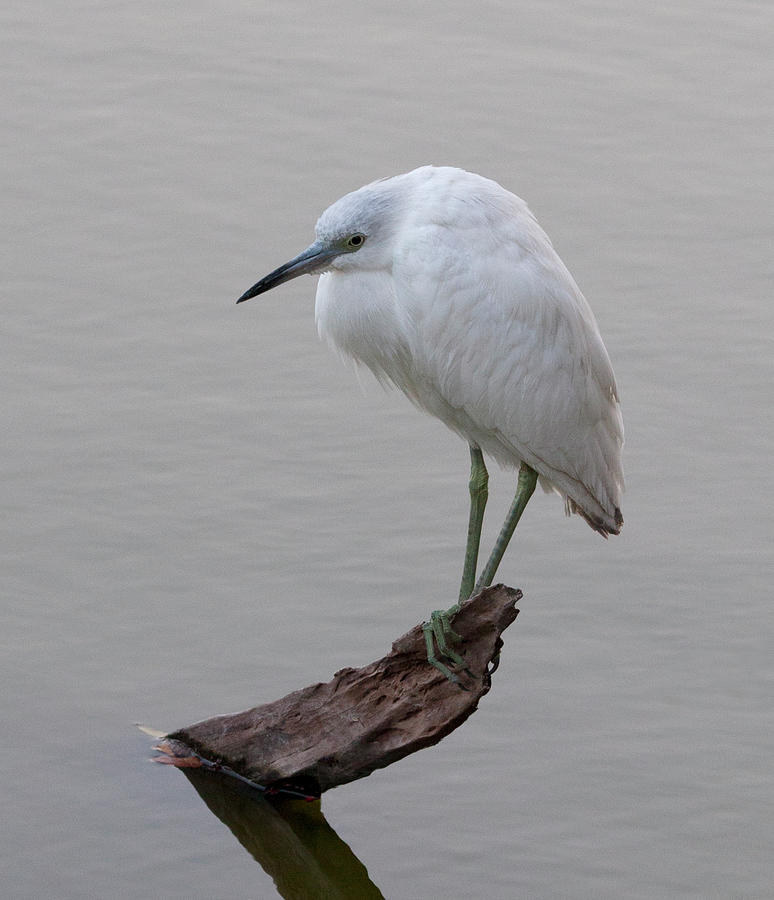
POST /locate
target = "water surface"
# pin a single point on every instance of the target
(204, 511)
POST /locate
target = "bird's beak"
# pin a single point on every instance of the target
(313, 259)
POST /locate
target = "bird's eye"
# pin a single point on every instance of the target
(355, 241)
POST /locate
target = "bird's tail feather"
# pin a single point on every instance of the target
(602, 526)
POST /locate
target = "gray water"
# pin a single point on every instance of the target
(203, 511)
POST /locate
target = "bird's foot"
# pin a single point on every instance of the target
(439, 633)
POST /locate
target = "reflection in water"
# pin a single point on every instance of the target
(290, 839)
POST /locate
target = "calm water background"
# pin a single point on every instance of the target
(202, 510)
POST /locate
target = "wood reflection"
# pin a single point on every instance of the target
(289, 838)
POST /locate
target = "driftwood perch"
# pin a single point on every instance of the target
(363, 719)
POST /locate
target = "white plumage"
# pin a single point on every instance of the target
(457, 296)
(443, 283)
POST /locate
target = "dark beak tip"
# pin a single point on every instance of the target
(306, 262)
(249, 294)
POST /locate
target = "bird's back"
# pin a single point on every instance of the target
(474, 316)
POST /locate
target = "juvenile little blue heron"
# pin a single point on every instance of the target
(443, 283)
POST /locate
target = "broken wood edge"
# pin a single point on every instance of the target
(362, 720)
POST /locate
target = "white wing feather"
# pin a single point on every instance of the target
(479, 322)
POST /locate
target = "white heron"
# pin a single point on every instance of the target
(443, 283)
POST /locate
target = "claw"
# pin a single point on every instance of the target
(439, 633)
(427, 629)
(440, 623)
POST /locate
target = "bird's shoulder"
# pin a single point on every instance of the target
(501, 316)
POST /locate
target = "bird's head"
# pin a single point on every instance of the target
(355, 233)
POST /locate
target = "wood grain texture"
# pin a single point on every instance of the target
(362, 719)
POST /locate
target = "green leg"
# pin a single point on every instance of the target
(438, 631)
(526, 486)
(479, 491)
